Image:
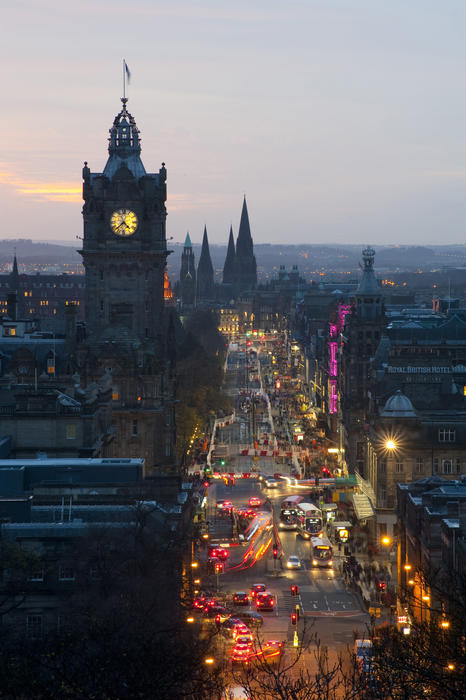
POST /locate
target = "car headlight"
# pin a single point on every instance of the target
(314, 563)
(330, 563)
(289, 565)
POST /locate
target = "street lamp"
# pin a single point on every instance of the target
(194, 564)
(209, 661)
(386, 541)
(407, 567)
(390, 444)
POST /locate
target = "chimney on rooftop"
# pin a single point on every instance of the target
(12, 305)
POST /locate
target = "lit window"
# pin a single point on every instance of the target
(419, 465)
(115, 396)
(71, 431)
(134, 428)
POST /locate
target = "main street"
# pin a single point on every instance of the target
(328, 611)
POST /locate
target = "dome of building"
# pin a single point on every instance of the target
(398, 406)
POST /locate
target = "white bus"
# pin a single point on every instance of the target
(308, 520)
(322, 552)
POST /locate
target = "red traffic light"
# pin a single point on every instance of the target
(294, 589)
(206, 484)
(275, 551)
(294, 618)
(381, 585)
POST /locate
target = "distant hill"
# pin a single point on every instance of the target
(30, 252)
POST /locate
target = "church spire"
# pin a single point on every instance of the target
(245, 260)
(205, 272)
(14, 271)
(229, 268)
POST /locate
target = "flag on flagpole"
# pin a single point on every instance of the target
(128, 72)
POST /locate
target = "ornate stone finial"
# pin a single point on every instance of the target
(86, 172)
(368, 255)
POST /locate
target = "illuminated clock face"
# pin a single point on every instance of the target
(124, 222)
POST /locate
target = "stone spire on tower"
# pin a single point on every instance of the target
(205, 272)
(188, 274)
(229, 268)
(369, 299)
(245, 260)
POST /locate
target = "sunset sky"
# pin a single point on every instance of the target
(341, 120)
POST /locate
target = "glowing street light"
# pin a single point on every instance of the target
(194, 564)
(426, 598)
(209, 661)
(445, 624)
(407, 567)
(390, 444)
(411, 582)
(386, 540)
(190, 619)
(451, 667)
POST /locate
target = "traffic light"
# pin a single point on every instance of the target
(297, 612)
(381, 585)
(206, 484)
(294, 589)
(218, 567)
(294, 618)
(222, 462)
(275, 551)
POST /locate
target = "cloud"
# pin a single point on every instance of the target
(48, 191)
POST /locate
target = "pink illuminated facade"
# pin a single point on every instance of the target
(334, 332)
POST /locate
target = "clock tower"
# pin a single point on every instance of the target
(124, 244)
(124, 255)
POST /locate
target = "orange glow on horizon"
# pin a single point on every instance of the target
(50, 191)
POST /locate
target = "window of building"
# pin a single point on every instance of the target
(435, 465)
(101, 275)
(134, 428)
(71, 431)
(383, 467)
(447, 466)
(34, 626)
(458, 466)
(115, 395)
(66, 573)
(50, 365)
(399, 467)
(168, 446)
(37, 575)
(419, 465)
(446, 435)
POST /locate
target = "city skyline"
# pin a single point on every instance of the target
(341, 122)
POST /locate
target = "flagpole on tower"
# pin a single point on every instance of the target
(126, 77)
